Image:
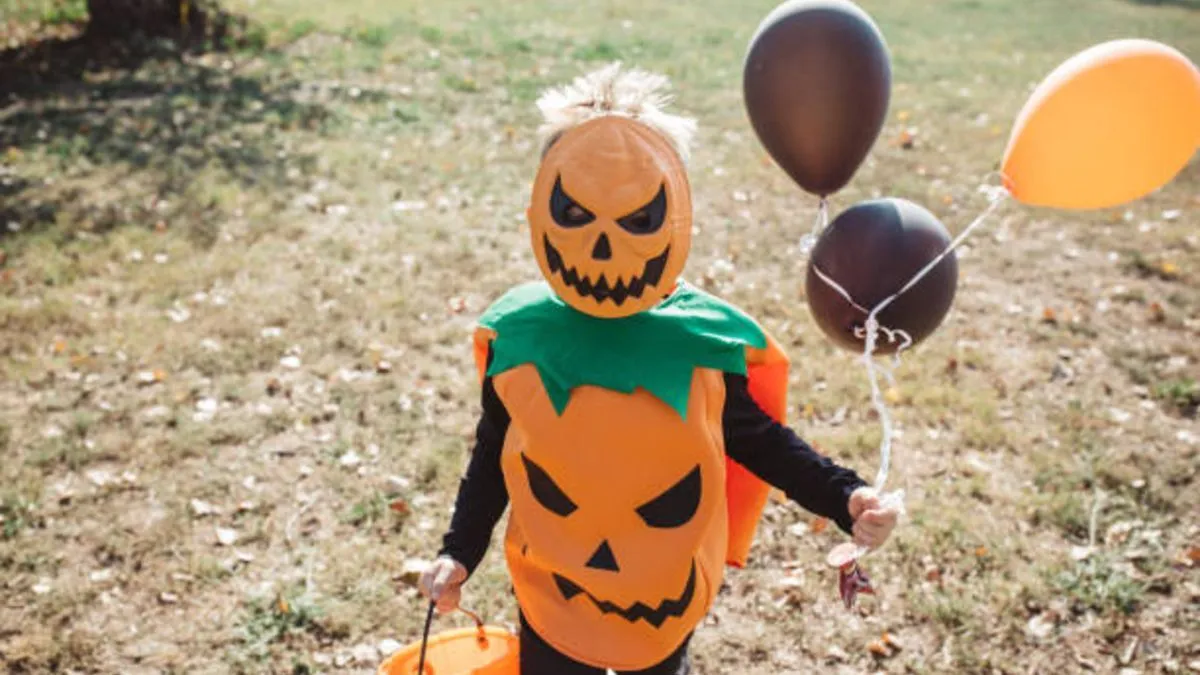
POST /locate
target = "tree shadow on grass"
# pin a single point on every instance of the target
(155, 114)
(1186, 4)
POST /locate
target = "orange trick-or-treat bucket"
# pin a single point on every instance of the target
(481, 650)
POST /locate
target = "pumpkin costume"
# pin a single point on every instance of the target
(633, 421)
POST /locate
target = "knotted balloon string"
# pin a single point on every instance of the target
(808, 241)
(870, 334)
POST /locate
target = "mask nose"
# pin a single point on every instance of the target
(603, 559)
(602, 250)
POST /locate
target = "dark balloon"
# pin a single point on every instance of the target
(817, 83)
(872, 250)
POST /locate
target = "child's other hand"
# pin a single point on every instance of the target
(873, 522)
(442, 583)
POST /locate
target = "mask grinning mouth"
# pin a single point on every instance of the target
(600, 290)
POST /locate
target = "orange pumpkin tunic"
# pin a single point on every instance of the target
(609, 442)
(601, 583)
(621, 503)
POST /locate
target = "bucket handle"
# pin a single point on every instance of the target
(482, 637)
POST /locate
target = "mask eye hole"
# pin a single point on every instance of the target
(649, 218)
(546, 491)
(566, 211)
(676, 506)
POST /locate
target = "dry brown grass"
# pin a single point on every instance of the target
(208, 329)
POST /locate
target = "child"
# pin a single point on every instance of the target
(629, 417)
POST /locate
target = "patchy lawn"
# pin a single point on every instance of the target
(236, 290)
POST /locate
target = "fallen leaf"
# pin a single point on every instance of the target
(60, 346)
(879, 649)
(1189, 557)
(401, 206)
(365, 654)
(400, 506)
(99, 576)
(412, 569)
(1130, 651)
(1157, 313)
(201, 509)
(282, 605)
(1040, 626)
(981, 552)
(226, 536)
(818, 525)
(1049, 315)
(891, 641)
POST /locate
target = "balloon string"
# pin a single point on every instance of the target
(808, 241)
(871, 331)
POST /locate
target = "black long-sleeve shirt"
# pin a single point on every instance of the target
(753, 439)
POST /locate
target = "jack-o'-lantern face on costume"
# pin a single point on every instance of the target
(611, 217)
(614, 558)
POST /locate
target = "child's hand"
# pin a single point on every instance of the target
(873, 522)
(442, 583)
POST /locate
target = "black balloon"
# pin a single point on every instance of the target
(872, 250)
(817, 84)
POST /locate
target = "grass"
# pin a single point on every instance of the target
(1182, 394)
(1099, 585)
(266, 227)
(270, 621)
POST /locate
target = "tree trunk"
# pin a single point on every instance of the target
(121, 18)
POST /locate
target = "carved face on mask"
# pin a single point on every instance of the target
(611, 217)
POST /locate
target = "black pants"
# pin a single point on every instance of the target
(539, 658)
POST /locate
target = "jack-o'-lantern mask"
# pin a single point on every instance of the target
(611, 217)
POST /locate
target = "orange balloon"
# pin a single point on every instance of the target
(466, 651)
(1110, 125)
